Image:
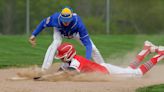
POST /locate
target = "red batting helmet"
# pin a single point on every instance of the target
(65, 51)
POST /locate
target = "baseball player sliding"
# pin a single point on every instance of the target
(68, 25)
(74, 64)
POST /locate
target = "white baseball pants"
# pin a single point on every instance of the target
(127, 72)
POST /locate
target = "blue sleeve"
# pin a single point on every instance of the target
(47, 22)
(88, 45)
(84, 37)
(39, 28)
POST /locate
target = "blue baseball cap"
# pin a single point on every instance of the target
(66, 15)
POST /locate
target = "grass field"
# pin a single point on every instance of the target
(16, 51)
(153, 88)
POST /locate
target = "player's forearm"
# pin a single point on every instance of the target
(88, 51)
(58, 75)
(54, 76)
(88, 45)
(39, 28)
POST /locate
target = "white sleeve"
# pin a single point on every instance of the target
(64, 66)
(75, 64)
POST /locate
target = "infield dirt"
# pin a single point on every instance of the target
(81, 83)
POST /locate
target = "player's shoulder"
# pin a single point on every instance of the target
(75, 61)
(54, 19)
(56, 15)
(76, 16)
(78, 57)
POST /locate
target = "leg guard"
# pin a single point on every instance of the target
(147, 48)
(152, 62)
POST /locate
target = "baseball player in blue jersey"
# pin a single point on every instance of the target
(68, 25)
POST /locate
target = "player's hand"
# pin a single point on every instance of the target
(32, 40)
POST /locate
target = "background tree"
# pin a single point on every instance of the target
(126, 16)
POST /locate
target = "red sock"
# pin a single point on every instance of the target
(139, 58)
(148, 65)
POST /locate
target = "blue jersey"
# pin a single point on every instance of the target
(76, 26)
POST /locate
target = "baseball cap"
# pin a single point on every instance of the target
(66, 15)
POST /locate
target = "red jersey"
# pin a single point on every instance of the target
(83, 65)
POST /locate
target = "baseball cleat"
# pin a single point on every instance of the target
(161, 50)
(150, 46)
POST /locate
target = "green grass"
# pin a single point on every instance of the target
(16, 51)
(153, 88)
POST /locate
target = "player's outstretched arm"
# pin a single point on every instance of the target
(47, 22)
(64, 75)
